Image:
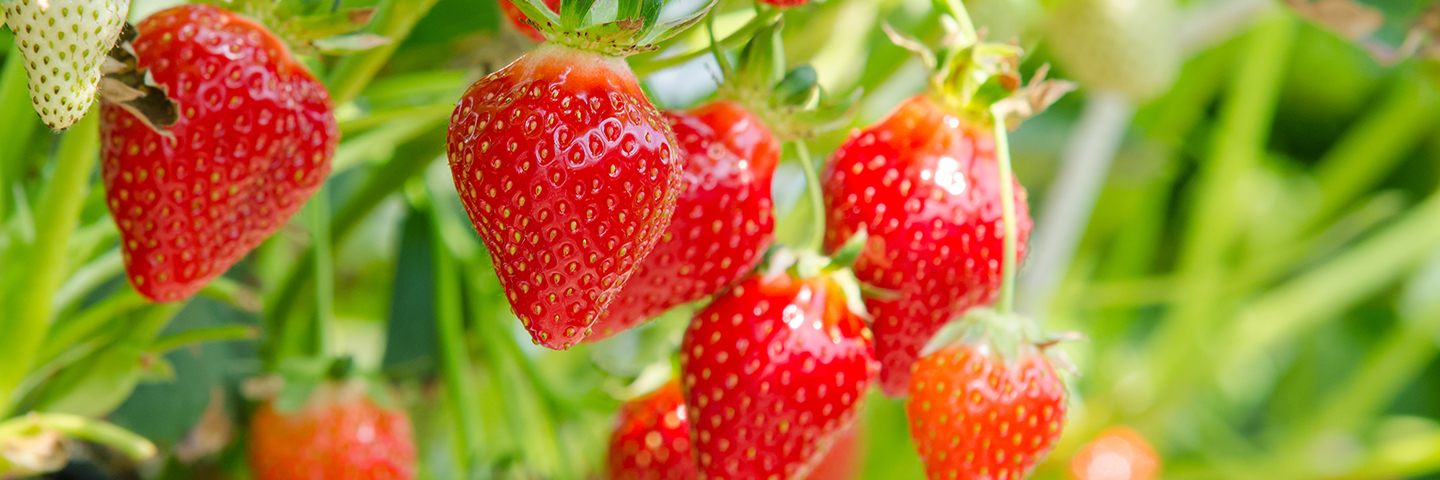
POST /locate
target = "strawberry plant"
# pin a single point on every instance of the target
(768, 239)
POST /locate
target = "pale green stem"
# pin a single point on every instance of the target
(73, 329)
(450, 328)
(324, 270)
(124, 441)
(816, 241)
(24, 327)
(203, 335)
(1006, 303)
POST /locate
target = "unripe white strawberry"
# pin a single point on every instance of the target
(1129, 46)
(64, 44)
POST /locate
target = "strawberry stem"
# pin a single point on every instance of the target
(450, 330)
(28, 317)
(816, 240)
(643, 64)
(122, 440)
(957, 10)
(1006, 304)
(324, 270)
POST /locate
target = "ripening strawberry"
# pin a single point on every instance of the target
(253, 142)
(517, 18)
(567, 171)
(844, 460)
(63, 44)
(774, 371)
(724, 219)
(338, 433)
(651, 440)
(977, 416)
(924, 185)
(1118, 453)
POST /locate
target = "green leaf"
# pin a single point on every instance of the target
(536, 11)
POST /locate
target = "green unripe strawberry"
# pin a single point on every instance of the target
(1127, 46)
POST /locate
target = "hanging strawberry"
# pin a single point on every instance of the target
(774, 371)
(725, 216)
(190, 202)
(568, 172)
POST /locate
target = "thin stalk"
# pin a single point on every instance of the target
(1360, 272)
(1212, 226)
(203, 335)
(956, 9)
(76, 328)
(16, 126)
(24, 328)
(644, 65)
(454, 356)
(1006, 303)
(130, 444)
(324, 270)
(235, 294)
(816, 241)
(86, 278)
(395, 20)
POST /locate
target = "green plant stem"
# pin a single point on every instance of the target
(86, 278)
(1360, 272)
(816, 240)
(202, 335)
(1006, 303)
(130, 444)
(24, 327)
(235, 294)
(644, 64)
(956, 9)
(76, 328)
(454, 357)
(395, 20)
(324, 271)
(16, 126)
(1238, 143)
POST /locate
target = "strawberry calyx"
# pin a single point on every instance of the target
(978, 80)
(617, 28)
(1010, 336)
(302, 381)
(791, 103)
(808, 263)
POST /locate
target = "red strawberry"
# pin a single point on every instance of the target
(774, 371)
(517, 18)
(724, 220)
(974, 416)
(338, 433)
(843, 460)
(923, 184)
(785, 3)
(651, 440)
(252, 144)
(569, 174)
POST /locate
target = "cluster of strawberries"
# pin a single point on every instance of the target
(600, 212)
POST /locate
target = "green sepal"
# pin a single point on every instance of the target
(791, 104)
(611, 27)
(1010, 336)
(846, 255)
(978, 80)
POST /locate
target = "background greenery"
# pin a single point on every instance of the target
(1258, 273)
